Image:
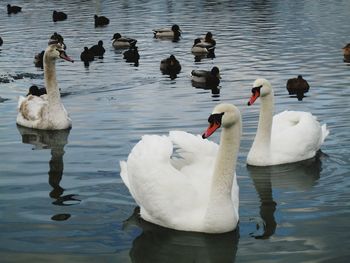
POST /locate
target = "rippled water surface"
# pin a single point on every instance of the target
(61, 195)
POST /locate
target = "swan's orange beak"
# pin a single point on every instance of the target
(255, 95)
(211, 129)
(64, 56)
(214, 123)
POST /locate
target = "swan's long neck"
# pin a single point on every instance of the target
(52, 90)
(263, 133)
(220, 201)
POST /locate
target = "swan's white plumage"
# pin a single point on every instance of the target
(175, 191)
(295, 135)
(45, 112)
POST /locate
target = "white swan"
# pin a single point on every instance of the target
(46, 112)
(196, 192)
(288, 137)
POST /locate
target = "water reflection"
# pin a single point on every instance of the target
(297, 176)
(54, 140)
(158, 244)
(199, 56)
(215, 90)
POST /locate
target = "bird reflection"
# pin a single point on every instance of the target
(297, 176)
(55, 141)
(199, 56)
(159, 244)
(215, 90)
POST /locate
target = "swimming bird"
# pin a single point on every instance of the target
(200, 47)
(46, 112)
(36, 91)
(1, 41)
(287, 137)
(101, 20)
(87, 55)
(13, 9)
(38, 59)
(206, 78)
(346, 52)
(55, 37)
(122, 42)
(297, 86)
(132, 55)
(170, 66)
(98, 50)
(58, 16)
(197, 191)
(174, 32)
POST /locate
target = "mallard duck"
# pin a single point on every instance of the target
(13, 9)
(174, 32)
(101, 20)
(297, 86)
(170, 65)
(207, 78)
(58, 16)
(98, 50)
(122, 42)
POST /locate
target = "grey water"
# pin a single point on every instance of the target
(61, 195)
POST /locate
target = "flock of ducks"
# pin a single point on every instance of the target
(197, 190)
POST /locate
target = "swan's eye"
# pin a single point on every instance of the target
(215, 118)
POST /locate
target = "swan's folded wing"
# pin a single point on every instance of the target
(196, 159)
(192, 149)
(155, 184)
(31, 108)
(296, 133)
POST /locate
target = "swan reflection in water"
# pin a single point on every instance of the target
(296, 176)
(159, 244)
(55, 141)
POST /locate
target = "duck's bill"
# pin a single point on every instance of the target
(210, 130)
(64, 56)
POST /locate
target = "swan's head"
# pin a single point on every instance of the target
(261, 88)
(56, 50)
(224, 115)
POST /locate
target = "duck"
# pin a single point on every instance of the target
(174, 32)
(207, 78)
(122, 42)
(132, 54)
(98, 50)
(56, 37)
(209, 39)
(101, 20)
(36, 91)
(13, 9)
(38, 59)
(1, 41)
(58, 16)
(346, 52)
(46, 112)
(287, 137)
(87, 55)
(297, 86)
(197, 191)
(200, 47)
(170, 65)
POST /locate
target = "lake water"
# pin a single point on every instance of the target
(61, 195)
